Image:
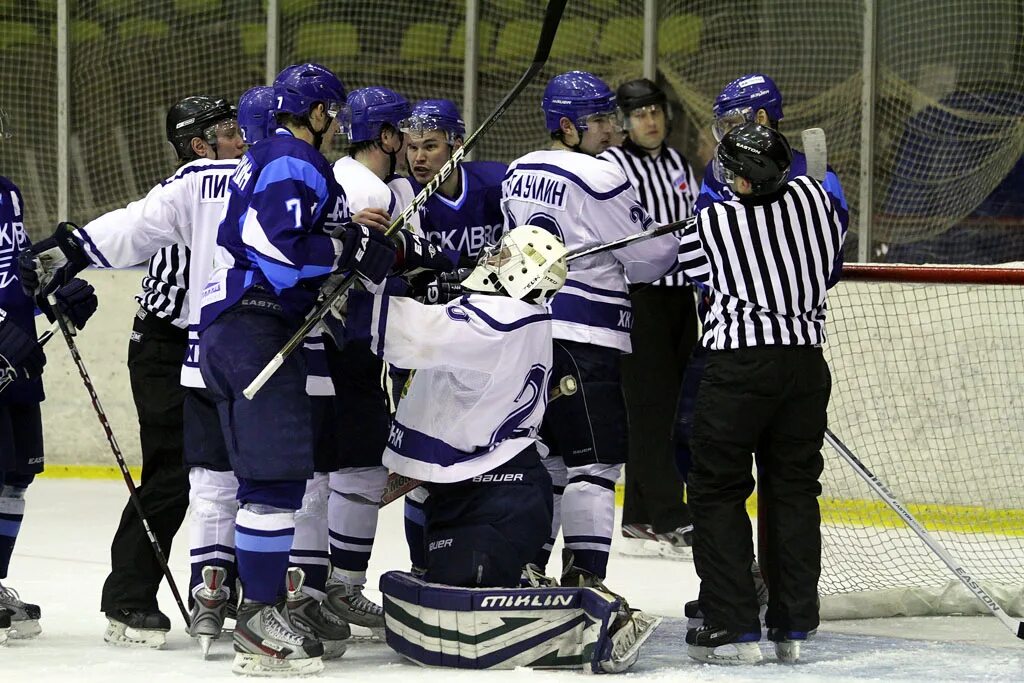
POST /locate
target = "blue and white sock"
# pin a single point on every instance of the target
(588, 515)
(352, 512)
(263, 540)
(309, 549)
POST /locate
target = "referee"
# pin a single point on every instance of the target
(767, 258)
(664, 326)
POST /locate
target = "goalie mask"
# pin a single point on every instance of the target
(528, 264)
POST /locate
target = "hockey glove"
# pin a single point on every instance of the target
(76, 301)
(20, 353)
(417, 255)
(369, 252)
(52, 263)
(440, 288)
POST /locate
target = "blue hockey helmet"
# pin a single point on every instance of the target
(740, 99)
(300, 86)
(373, 107)
(429, 115)
(254, 117)
(576, 95)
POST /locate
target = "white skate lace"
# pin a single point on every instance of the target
(10, 596)
(536, 578)
(275, 627)
(360, 603)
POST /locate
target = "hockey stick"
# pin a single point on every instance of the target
(1014, 625)
(10, 374)
(161, 559)
(813, 141)
(642, 236)
(552, 18)
(398, 484)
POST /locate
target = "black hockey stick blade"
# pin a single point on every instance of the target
(552, 17)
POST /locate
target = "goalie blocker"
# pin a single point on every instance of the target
(505, 628)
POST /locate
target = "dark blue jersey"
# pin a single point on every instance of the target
(467, 223)
(20, 309)
(283, 203)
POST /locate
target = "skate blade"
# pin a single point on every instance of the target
(367, 634)
(638, 547)
(117, 634)
(247, 664)
(27, 628)
(334, 648)
(788, 652)
(204, 645)
(624, 657)
(733, 653)
(675, 552)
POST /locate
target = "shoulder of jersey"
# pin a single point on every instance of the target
(598, 175)
(198, 166)
(491, 171)
(7, 183)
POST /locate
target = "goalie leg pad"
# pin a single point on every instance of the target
(504, 628)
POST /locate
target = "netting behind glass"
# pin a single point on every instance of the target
(949, 95)
(928, 392)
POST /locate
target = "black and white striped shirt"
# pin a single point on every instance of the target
(664, 183)
(767, 265)
(165, 287)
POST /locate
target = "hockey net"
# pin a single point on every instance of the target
(928, 391)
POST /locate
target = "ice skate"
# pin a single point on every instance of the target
(267, 645)
(5, 625)
(24, 615)
(629, 632)
(347, 602)
(137, 628)
(714, 645)
(787, 643)
(677, 544)
(638, 540)
(307, 616)
(210, 608)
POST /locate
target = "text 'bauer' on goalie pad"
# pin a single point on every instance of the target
(505, 628)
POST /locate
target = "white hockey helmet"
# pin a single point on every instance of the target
(528, 263)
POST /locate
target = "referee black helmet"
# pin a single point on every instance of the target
(192, 117)
(758, 153)
(639, 92)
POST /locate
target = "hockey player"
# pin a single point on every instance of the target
(754, 98)
(362, 415)
(285, 230)
(464, 215)
(585, 200)
(174, 226)
(21, 391)
(469, 427)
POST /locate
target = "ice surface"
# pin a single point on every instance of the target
(62, 560)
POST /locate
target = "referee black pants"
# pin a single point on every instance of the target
(772, 400)
(664, 334)
(155, 355)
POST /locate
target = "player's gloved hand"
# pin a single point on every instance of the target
(369, 252)
(440, 288)
(76, 301)
(417, 255)
(20, 353)
(52, 263)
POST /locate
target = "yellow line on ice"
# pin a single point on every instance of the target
(934, 517)
(862, 513)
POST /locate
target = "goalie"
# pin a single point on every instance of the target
(468, 428)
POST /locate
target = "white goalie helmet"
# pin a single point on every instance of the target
(528, 263)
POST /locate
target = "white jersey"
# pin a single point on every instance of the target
(186, 209)
(479, 390)
(401, 188)
(588, 201)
